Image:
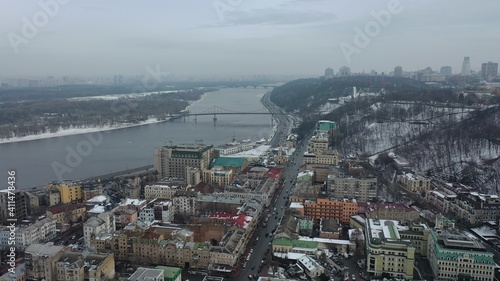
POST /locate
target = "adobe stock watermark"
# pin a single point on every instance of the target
(223, 6)
(30, 28)
(363, 37)
(124, 107)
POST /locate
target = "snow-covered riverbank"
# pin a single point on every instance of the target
(78, 131)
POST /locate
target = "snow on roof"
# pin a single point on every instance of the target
(252, 153)
(305, 173)
(289, 255)
(309, 263)
(135, 202)
(359, 219)
(97, 210)
(98, 199)
(325, 240)
(388, 228)
(296, 205)
(486, 232)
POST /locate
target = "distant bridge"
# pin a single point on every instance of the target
(215, 110)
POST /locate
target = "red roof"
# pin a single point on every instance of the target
(379, 205)
(64, 208)
(274, 172)
(239, 220)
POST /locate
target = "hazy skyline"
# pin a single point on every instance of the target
(242, 37)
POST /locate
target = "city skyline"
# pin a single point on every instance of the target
(242, 38)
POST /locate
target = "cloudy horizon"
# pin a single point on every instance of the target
(243, 37)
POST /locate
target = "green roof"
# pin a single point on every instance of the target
(282, 241)
(444, 253)
(324, 125)
(228, 161)
(170, 273)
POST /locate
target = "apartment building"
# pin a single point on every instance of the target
(414, 183)
(476, 208)
(324, 208)
(318, 142)
(67, 213)
(454, 255)
(418, 233)
(387, 250)
(391, 211)
(147, 215)
(69, 191)
(162, 190)
(234, 147)
(152, 247)
(325, 125)
(124, 217)
(54, 197)
(441, 199)
(19, 274)
(103, 223)
(219, 176)
(40, 231)
(185, 203)
(6, 199)
(91, 190)
(225, 255)
(133, 204)
(78, 266)
(324, 157)
(41, 260)
(172, 160)
(363, 189)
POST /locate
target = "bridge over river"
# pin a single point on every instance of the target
(215, 111)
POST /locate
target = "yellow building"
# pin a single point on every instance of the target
(218, 175)
(414, 183)
(326, 157)
(150, 247)
(324, 208)
(453, 255)
(418, 233)
(387, 250)
(318, 142)
(79, 267)
(68, 191)
(68, 213)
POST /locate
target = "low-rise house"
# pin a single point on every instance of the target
(41, 231)
(310, 266)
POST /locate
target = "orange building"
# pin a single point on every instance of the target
(324, 208)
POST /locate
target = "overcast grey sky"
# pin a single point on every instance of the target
(242, 37)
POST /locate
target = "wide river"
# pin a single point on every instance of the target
(39, 162)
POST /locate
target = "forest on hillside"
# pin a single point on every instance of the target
(443, 132)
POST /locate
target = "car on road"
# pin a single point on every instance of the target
(253, 266)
